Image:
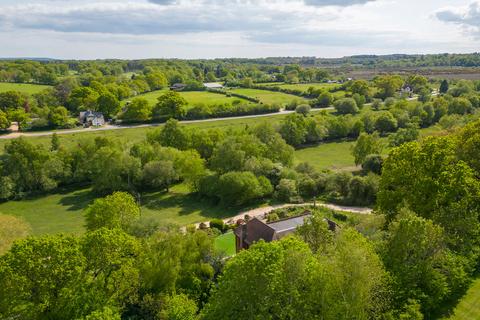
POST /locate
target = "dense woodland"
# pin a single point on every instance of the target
(413, 258)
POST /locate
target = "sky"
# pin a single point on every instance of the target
(138, 29)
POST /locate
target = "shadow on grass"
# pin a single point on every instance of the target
(192, 203)
(77, 200)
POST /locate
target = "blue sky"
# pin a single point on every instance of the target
(235, 28)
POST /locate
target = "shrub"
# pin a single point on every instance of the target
(303, 109)
(346, 106)
(218, 224)
(373, 163)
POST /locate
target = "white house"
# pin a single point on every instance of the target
(91, 118)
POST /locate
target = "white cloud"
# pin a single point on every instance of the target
(468, 17)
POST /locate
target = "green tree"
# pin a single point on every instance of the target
(386, 122)
(293, 129)
(159, 174)
(156, 80)
(346, 106)
(108, 104)
(303, 109)
(173, 135)
(58, 117)
(366, 144)
(388, 85)
(325, 99)
(444, 87)
(138, 110)
(460, 106)
(178, 307)
(238, 188)
(118, 210)
(55, 142)
(4, 122)
(170, 105)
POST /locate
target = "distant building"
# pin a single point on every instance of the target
(406, 91)
(91, 118)
(246, 234)
(178, 86)
(213, 85)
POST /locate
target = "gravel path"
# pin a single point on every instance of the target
(262, 211)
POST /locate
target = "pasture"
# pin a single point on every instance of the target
(332, 155)
(268, 97)
(22, 87)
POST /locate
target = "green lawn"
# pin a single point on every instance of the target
(22, 87)
(469, 306)
(268, 97)
(306, 86)
(193, 97)
(226, 243)
(63, 211)
(333, 155)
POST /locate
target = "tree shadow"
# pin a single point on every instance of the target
(77, 200)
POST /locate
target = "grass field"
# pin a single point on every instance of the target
(226, 243)
(22, 87)
(63, 211)
(193, 97)
(333, 155)
(469, 306)
(268, 97)
(305, 86)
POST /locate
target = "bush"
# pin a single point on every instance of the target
(218, 224)
(373, 163)
(286, 190)
(346, 106)
(303, 109)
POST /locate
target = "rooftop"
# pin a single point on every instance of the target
(288, 224)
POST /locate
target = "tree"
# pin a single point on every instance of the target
(366, 144)
(156, 80)
(325, 99)
(415, 254)
(444, 87)
(118, 210)
(138, 110)
(460, 106)
(12, 100)
(159, 174)
(108, 104)
(360, 87)
(373, 163)
(346, 106)
(54, 142)
(388, 85)
(82, 98)
(404, 135)
(104, 314)
(170, 105)
(286, 190)
(173, 135)
(178, 307)
(238, 188)
(293, 129)
(303, 109)
(386, 122)
(4, 122)
(38, 278)
(58, 117)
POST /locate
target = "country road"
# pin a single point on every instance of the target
(108, 127)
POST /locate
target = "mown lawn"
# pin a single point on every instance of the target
(268, 97)
(226, 243)
(193, 97)
(469, 306)
(22, 87)
(63, 211)
(332, 155)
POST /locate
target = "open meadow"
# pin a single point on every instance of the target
(22, 87)
(193, 97)
(268, 97)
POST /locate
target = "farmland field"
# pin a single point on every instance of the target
(334, 156)
(193, 97)
(22, 87)
(268, 97)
